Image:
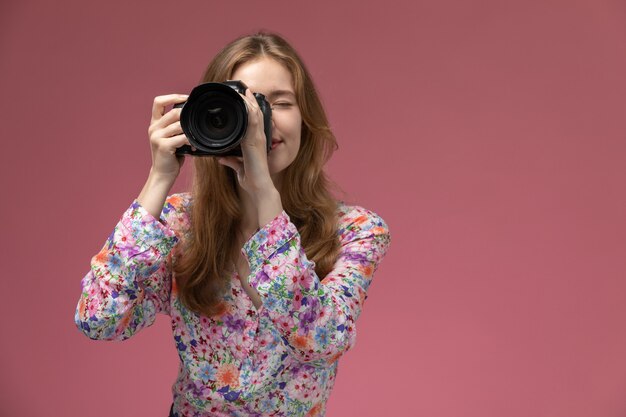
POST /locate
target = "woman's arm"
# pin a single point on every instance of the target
(130, 278)
(316, 317)
(166, 135)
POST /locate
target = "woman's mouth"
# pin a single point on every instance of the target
(276, 142)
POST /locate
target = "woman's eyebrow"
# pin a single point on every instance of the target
(278, 93)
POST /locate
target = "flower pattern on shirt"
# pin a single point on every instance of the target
(278, 360)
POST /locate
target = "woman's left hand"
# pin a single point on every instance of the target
(252, 169)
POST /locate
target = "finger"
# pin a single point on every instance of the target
(161, 102)
(168, 118)
(250, 100)
(172, 130)
(232, 162)
(175, 142)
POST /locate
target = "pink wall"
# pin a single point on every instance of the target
(489, 134)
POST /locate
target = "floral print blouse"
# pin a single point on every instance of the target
(279, 360)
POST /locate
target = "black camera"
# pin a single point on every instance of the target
(215, 118)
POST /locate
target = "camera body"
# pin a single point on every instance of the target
(215, 118)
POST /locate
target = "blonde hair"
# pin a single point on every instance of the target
(202, 265)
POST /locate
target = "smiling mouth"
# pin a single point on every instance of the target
(276, 142)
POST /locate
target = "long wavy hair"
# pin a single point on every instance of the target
(204, 264)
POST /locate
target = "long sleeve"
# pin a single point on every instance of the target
(316, 317)
(130, 278)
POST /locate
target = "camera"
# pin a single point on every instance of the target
(215, 118)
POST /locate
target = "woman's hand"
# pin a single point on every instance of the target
(252, 169)
(165, 136)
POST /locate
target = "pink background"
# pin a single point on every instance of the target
(489, 134)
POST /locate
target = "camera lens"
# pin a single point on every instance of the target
(220, 119)
(215, 117)
(217, 121)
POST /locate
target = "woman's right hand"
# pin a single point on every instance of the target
(165, 136)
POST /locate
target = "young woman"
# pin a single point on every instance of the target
(261, 270)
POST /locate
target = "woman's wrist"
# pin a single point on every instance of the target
(160, 178)
(268, 203)
(154, 192)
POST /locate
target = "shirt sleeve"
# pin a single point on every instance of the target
(130, 278)
(316, 318)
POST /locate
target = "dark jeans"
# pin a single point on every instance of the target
(172, 414)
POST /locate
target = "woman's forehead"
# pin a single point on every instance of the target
(265, 75)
